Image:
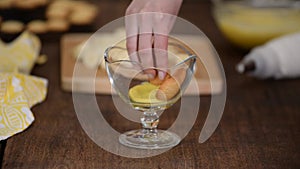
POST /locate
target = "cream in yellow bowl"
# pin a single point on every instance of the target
(248, 25)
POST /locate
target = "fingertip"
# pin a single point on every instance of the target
(161, 75)
(151, 73)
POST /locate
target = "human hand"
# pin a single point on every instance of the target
(148, 23)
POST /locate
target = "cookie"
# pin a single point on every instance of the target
(5, 4)
(42, 59)
(37, 26)
(170, 86)
(57, 12)
(22, 4)
(157, 81)
(66, 4)
(41, 2)
(29, 4)
(57, 25)
(168, 89)
(78, 5)
(83, 14)
(12, 27)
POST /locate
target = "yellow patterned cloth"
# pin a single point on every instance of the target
(20, 54)
(18, 93)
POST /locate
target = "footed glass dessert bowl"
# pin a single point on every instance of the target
(149, 94)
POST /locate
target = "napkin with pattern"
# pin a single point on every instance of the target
(19, 91)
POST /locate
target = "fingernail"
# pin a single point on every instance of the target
(150, 76)
(161, 75)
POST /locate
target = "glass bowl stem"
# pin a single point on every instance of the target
(150, 122)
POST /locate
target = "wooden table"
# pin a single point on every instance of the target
(259, 129)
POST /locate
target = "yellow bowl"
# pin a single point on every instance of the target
(248, 24)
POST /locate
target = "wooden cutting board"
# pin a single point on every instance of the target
(87, 78)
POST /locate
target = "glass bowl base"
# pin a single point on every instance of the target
(159, 140)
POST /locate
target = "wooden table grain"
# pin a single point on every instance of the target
(259, 128)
